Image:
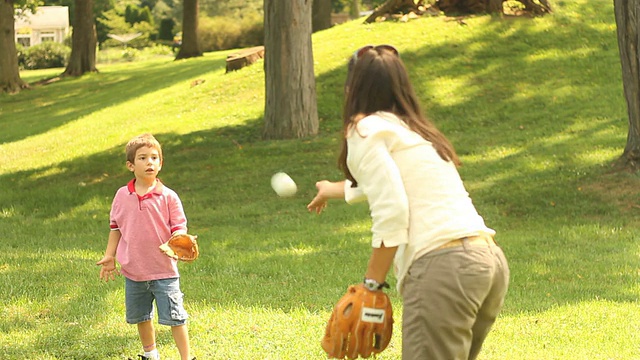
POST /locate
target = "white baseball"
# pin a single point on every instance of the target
(283, 185)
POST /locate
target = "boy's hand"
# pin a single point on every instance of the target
(181, 247)
(108, 269)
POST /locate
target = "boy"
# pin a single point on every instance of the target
(144, 214)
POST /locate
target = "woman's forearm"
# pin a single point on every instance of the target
(380, 263)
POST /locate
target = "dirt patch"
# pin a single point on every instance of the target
(620, 188)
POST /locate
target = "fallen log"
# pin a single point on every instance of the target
(244, 58)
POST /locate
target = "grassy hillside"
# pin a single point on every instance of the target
(534, 107)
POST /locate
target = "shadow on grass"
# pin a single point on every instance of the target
(47, 107)
(243, 226)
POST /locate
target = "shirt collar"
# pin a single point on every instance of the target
(131, 186)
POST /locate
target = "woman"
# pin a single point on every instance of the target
(451, 274)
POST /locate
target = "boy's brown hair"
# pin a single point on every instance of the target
(144, 140)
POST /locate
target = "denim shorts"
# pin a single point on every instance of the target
(140, 295)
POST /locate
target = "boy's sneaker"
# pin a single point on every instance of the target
(142, 357)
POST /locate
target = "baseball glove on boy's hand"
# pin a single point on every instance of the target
(181, 247)
(361, 324)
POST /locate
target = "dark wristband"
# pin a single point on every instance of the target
(374, 285)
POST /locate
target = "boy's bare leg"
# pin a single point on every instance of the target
(147, 335)
(181, 337)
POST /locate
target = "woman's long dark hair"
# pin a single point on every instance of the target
(378, 81)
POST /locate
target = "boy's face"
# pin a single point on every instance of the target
(147, 163)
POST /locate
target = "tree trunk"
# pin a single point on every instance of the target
(321, 15)
(290, 101)
(10, 81)
(84, 40)
(626, 14)
(495, 6)
(190, 45)
(354, 9)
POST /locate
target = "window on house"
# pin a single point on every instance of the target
(24, 40)
(47, 36)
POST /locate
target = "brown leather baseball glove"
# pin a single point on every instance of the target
(361, 324)
(181, 247)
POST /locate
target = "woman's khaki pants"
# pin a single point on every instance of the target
(451, 299)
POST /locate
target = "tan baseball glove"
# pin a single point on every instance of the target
(181, 247)
(361, 324)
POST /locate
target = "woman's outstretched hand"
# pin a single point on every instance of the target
(326, 190)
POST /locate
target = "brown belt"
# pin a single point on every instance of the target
(484, 239)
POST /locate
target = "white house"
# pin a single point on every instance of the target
(49, 23)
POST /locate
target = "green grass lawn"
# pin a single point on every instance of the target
(534, 107)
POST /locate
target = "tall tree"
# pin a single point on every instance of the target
(84, 40)
(321, 15)
(291, 109)
(10, 81)
(626, 14)
(190, 46)
(354, 9)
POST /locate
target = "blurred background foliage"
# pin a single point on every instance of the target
(222, 25)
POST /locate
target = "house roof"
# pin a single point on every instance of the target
(45, 17)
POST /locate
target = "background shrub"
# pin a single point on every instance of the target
(119, 55)
(223, 33)
(21, 56)
(46, 55)
(165, 31)
(130, 54)
(112, 22)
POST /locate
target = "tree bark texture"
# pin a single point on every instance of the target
(495, 6)
(190, 45)
(626, 14)
(354, 9)
(321, 15)
(290, 100)
(84, 40)
(10, 81)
